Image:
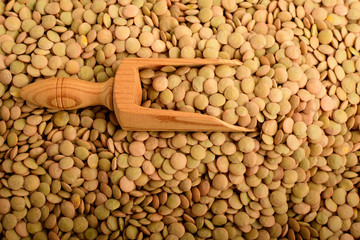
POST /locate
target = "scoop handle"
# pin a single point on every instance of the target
(67, 93)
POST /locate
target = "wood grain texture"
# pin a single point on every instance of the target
(137, 118)
(123, 95)
(67, 93)
(131, 116)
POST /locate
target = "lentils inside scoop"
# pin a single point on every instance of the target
(78, 175)
(234, 94)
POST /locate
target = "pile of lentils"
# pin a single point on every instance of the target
(69, 175)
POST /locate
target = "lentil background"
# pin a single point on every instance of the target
(77, 175)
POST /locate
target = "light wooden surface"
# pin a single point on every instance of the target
(67, 93)
(131, 116)
(137, 118)
(123, 96)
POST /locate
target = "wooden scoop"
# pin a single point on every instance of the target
(123, 95)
